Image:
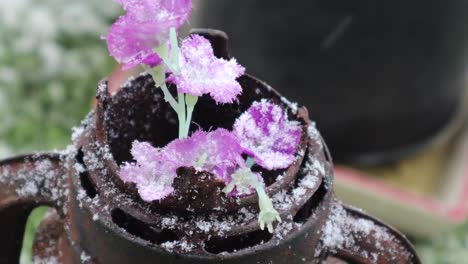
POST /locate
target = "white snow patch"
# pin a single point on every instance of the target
(341, 230)
(85, 258)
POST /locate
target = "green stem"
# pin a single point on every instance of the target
(176, 71)
(189, 120)
(181, 114)
(159, 77)
(191, 101)
(163, 53)
(249, 162)
(175, 51)
(169, 98)
(262, 196)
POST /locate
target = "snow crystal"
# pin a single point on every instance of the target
(169, 222)
(314, 134)
(47, 260)
(309, 182)
(76, 132)
(28, 189)
(181, 245)
(129, 82)
(204, 226)
(284, 228)
(102, 87)
(29, 181)
(293, 106)
(214, 225)
(85, 258)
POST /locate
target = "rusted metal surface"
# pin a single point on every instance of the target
(397, 249)
(25, 183)
(105, 221)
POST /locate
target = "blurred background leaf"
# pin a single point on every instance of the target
(51, 58)
(450, 248)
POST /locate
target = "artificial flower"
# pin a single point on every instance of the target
(155, 169)
(268, 214)
(202, 73)
(243, 182)
(217, 152)
(266, 134)
(152, 176)
(133, 37)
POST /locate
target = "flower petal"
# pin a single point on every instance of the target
(154, 190)
(145, 26)
(265, 133)
(217, 152)
(202, 73)
(152, 176)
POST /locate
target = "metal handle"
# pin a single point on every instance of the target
(367, 240)
(27, 182)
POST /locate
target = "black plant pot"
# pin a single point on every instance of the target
(381, 78)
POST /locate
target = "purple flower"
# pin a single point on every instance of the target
(266, 134)
(145, 26)
(202, 73)
(154, 171)
(153, 178)
(217, 152)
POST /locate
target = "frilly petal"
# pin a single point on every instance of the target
(202, 73)
(265, 133)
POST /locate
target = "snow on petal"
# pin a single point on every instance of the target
(143, 152)
(265, 133)
(155, 169)
(155, 190)
(202, 73)
(174, 11)
(145, 26)
(152, 176)
(217, 152)
(223, 153)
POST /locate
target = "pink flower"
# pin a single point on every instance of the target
(155, 169)
(202, 73)
(145, 26)
(265, 133)
(153, 178)
(217, 152)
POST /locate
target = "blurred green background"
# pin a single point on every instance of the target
(51, 58)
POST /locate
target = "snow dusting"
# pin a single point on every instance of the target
(182, 246)
(47, 260)
(293, 105)
(35, 176)
(342, 231)
(85, 258)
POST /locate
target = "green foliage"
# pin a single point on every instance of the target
(33, 222)
(51, 58)
(451, 248)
